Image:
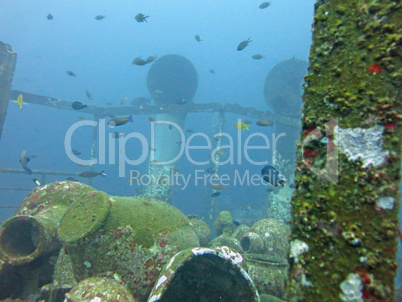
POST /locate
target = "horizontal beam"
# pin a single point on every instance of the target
(38, 172)
(154, 109)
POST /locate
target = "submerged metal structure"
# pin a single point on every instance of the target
(345, 227)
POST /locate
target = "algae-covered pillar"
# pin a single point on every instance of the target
(345, 207)
(7, 66)
(172, 81)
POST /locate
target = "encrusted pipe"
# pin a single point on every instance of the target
(252, 243)
(33, 231)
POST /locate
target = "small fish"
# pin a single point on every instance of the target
(263, 123)
(189, 130)
(89, 96)
(100, 17)
(24, 159)
(119, 121)
(272, 176)
(179, 143)
(80, 165)
(243, 44)
(152, 120)
(37, 182)
(117, 134)
(139, 62)
(217, 138)
(264, 5)
(175, 170)
(33, 156)
(220, 153)
(76, 152)
(91, 174)
(108, 103)
(123, 100)
(71, 74)
(157, 91)
(150, 59)
(218, 187)
(197, 38)
(216, 194)
(49, 17)
(181, 102)
(211, 171)
(20, 101)
(153, 162)
(240, 126)
(247, 122)
(212, 71)
(152, 149)
(257, 56)
(141, 18)
(163, 181)
(71, 179)
(78, 105)
(81, 118)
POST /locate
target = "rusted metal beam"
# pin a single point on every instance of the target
(7, 66)
(154, 109)
(38, 172)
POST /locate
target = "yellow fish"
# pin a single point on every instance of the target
(240, 126)
(19, 101)
(123, 100)
(220, 153)
(158, 91)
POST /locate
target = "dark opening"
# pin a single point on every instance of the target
(208, 278)
(20, 238)
(245, 243)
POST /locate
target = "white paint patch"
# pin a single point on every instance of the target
(352, 289)
(386, 203)
(160, 281)
(297, 247)
(228, 254)
(202, 251)
(362, 144)
(170, 262)
(154, 298)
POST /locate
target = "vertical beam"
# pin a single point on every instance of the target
(218, 122)
(345, 225)
(7, 67)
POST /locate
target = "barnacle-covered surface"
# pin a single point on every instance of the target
(354, 79)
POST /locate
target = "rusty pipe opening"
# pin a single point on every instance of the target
(252, 243)
(21, 237)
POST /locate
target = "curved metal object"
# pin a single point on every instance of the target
(172, 79)
(209, 274)
(283, 87)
